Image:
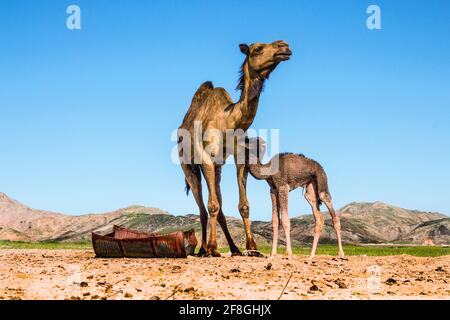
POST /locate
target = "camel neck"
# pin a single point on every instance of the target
(251, 87)
(256, 170)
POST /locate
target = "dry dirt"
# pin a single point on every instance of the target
(70, 274)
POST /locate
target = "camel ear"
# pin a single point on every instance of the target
(244, 48)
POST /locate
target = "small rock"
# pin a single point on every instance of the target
(155, 298)
(390, 281)
(128, 295)
(90, 277)
(314, 288)
(268, 266)
(188, 290)
(16, 298)
(235, 270)
(84, 284)
(420, 279)
(86, 294)
(340, 283)
(440, 269)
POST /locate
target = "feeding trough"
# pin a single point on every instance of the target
(126, 243)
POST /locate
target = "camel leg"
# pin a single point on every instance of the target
(244, 210)
(213, 208)
(283, 197)
(312, 197)
(221, 218)
(275, 221)
(326, 198)
(195, 183)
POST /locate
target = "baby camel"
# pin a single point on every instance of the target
(286, 172)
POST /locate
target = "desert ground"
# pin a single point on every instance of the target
(77, 274)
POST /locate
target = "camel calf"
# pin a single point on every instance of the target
(294, 171)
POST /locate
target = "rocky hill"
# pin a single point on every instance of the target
(361, 223)
(370, 223)
(21, 223)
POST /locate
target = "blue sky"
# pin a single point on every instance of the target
(86, 116)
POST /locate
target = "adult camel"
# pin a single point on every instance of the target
(202, 140)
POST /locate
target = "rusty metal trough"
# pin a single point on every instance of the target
(126, 243)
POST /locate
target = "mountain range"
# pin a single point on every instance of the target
(361, 223)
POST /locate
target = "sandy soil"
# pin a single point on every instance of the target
(70, 274)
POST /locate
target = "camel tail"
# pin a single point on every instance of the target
(322, 182)
(196, 170)
(187, 188)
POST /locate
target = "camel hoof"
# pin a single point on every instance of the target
(237, 253)
(212, 253)
(201, 252)
(254, 253)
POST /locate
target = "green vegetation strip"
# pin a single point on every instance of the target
(44, 245)
(325, 249)
(352, 250)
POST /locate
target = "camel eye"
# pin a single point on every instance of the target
(257, 50)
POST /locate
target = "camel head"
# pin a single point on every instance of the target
(255, 149)
(262, 58)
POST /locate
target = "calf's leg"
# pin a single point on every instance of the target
(275, 221)
(283, 197)
(312, 197)
(326, 198)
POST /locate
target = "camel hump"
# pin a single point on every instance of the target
(202, 93)
(206, 84)
(197, 101)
